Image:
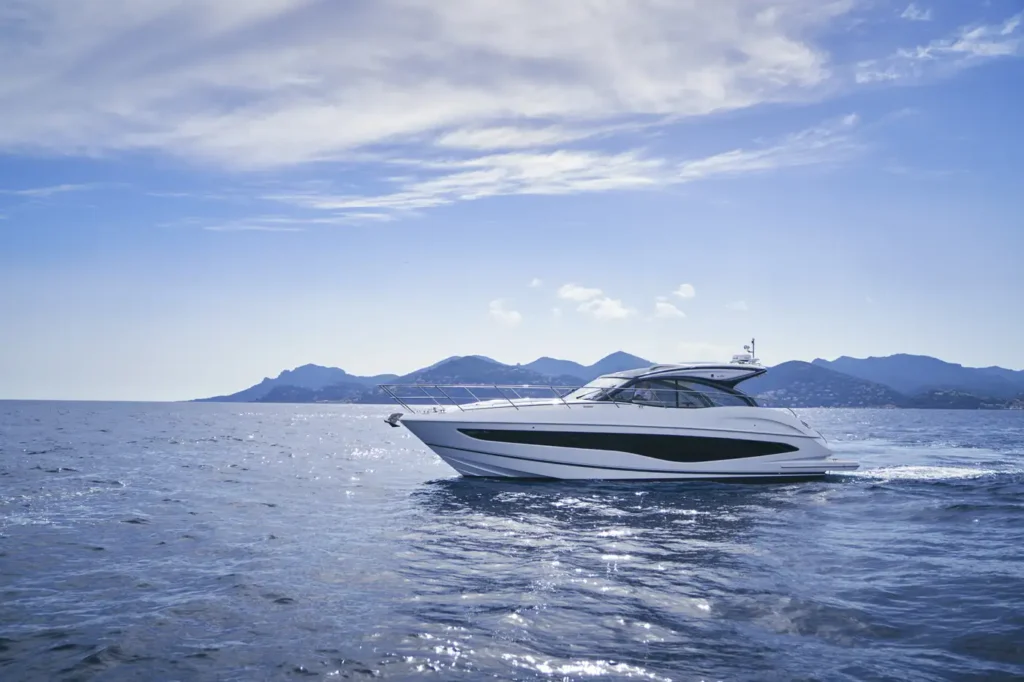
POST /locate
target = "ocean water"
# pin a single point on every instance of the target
(277, 542)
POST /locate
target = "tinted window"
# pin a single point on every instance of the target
(659, 393)
(719, 396)
(687, 396)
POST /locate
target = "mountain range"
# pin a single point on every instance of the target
(896, 381)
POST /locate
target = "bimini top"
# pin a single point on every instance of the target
(727, 373)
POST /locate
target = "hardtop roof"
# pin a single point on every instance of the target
(732, 372)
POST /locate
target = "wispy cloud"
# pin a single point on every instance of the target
(536, 283)
(557, 172)
(827, 142)
(509, 137)
(437, 183)
(503, 315)
(915, 13)
(970, 45)
(238, 195)
(243, 226)
(278, 223)
(49, 191)
(739, 306)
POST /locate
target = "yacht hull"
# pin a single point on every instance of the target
(628, 442)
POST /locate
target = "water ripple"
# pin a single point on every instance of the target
(227, 542)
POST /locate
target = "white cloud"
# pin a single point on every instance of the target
(502, 315)
(42, 192)
(606, 308)
(970, 45)
(915, 13)
(594, 302)
(740, 306)
(361, 217)
(575, 292)
(275, 223)
(556, 313)
(685, 291)
(666, 310)
(536, 282)
(269, 83)
(508, 137)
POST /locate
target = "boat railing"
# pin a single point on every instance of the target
(435, 397)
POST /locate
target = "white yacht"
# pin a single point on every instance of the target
(682, 421)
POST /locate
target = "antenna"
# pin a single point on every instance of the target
(751, 355)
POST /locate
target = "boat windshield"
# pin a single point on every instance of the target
(598, 389)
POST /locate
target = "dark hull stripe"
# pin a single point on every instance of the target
(412, 417)
(669, 448)
(617, 468)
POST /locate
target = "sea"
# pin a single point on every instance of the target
(249, 542)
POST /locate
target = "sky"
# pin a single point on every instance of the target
(200, 193)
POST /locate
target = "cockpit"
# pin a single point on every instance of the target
(662, 392)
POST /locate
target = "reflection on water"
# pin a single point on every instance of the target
(674, 520)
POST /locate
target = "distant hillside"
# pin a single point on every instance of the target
(802, 384)
(472, 369)
(616, 362)
(315, 380)
(914, 374)
(459, 357)
(553, 366)
(791, 384)
(347, 392)
(458, 370)
(958, 400)
(310, 378)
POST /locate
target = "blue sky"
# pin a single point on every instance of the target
(195, 195)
